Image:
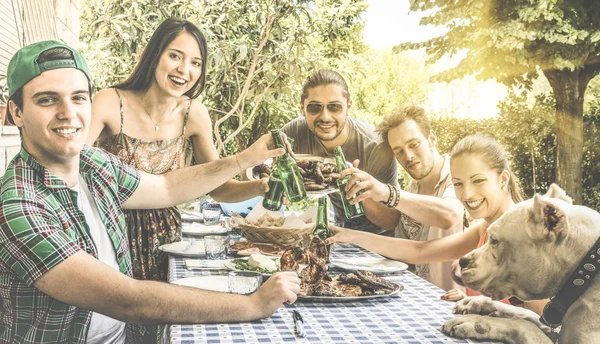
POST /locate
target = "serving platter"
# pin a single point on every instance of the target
(348, 298)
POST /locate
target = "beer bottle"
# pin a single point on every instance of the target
(350, 210)
(322, 229)
(274, 197)
(288, 172)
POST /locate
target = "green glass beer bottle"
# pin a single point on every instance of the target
(288, 172)
(322, 229)
(274, 197)
(350, 210)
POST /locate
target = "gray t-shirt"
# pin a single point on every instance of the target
(376, 158)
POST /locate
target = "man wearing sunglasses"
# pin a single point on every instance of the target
(324, 125)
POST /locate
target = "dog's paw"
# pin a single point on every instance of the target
(468, 326)
(481, 305)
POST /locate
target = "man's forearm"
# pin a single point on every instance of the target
(182, 185)
(157, 303)
(186, 184)
(430, 210)
(236, 191)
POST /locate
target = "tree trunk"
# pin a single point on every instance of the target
(569, 89)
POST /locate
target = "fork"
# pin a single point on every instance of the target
(299, 323)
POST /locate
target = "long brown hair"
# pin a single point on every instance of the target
(324, 77)
(167, 31)
(493, 155)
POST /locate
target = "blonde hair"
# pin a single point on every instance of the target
(493, 155)
(401, 115)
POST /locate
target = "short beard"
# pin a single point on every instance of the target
(338, 133)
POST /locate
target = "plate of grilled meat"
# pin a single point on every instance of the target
(319, 174)
(317, 285)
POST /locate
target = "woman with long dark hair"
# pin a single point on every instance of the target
(149, 120)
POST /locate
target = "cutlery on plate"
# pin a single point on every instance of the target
(299, 323)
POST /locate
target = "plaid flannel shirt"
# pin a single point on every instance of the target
(41, 226)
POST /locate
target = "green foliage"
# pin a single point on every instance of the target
(511, 41)
(260, 51)
(385, 82)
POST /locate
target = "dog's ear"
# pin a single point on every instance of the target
(549, 217)
(555, 191)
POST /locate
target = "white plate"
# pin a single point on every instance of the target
(374, 265)
(206, 264)
(191, 216)
(182, 248)
(231, 265)
(201, 229)
(348, 298)
(215, 283)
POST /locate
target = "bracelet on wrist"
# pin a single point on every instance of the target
(392, 197)
(397, 196)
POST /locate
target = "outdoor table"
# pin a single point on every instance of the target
(415, 315)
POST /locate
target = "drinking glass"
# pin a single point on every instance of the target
(244, 282)
(215, 246)
(211, 215)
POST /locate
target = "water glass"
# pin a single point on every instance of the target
(235, 234)
(215, 246)
(244, 282)
(211, 215)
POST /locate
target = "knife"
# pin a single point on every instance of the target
(299, 323)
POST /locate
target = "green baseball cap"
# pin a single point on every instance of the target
(24, 65)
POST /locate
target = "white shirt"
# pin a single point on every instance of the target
(102, 329)
(438, 273)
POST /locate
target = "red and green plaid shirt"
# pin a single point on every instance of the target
(41, 226)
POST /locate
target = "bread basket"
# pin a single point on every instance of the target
(288, 236)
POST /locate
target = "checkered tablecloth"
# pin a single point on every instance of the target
(415, 315)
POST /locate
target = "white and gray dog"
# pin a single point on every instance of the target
(531, 252)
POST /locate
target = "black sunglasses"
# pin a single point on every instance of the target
(316, 108)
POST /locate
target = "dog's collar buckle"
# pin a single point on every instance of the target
(573, 288)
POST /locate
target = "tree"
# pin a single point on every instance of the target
(511, 41)
(260, 51)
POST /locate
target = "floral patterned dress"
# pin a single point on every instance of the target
(150, 228)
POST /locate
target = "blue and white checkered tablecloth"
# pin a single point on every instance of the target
(415, 315)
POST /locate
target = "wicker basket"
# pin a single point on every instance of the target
(275, 235)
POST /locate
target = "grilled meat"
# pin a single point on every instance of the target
(291, 257)
(315, 271)
(336, 288)
(317, 248)
(367, 281)
(316, 281)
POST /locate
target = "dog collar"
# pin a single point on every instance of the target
(573, 288)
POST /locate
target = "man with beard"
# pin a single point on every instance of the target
(324, 125)
(428, 209)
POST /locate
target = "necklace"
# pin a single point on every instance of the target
(156, 124)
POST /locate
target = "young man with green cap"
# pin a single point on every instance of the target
(65, 268)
